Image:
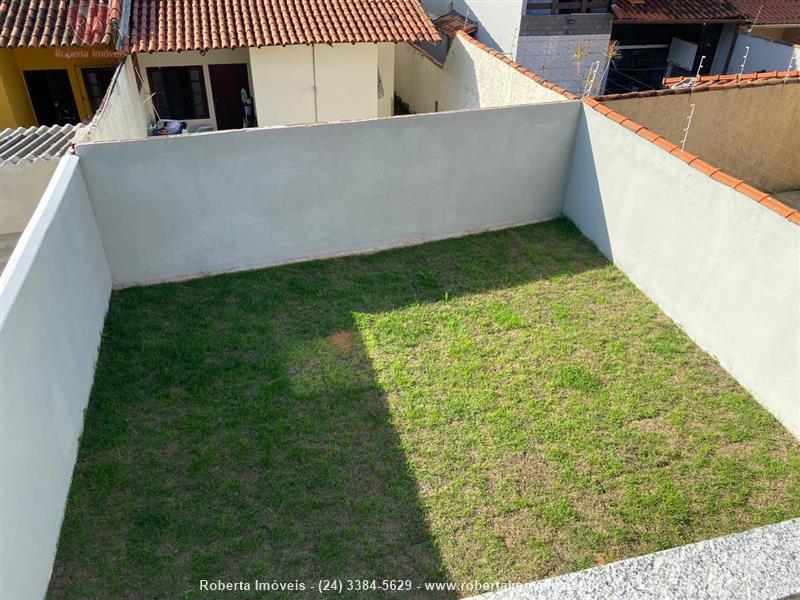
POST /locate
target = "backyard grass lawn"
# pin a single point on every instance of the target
(502, 407)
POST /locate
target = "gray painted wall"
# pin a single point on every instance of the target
(192, 205)
(719, 264)
(53, 299)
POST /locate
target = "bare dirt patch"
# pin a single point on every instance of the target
(344, 340)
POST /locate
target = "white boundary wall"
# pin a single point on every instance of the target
(470, 78)
(720, 265)
(125, 113)
(191, 205)
(53, 299)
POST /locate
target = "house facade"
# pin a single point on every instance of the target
(56, 60)
(277, 63)
(669, 38)
(566, 42)
(777, 20)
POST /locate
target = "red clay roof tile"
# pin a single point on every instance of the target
(181, 25)
(778, 206)
(729, 81)
(47, 23)
(451, 23)
(677, 11)
(770, 12)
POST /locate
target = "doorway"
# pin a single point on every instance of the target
(51, 97)
(227, 82)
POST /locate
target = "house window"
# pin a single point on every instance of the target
(97, 82)
(178, 92)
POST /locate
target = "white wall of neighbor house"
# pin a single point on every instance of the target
(21, 187)
(345, 77)
(53, 299)
(386, 70)
(126, 113)
(764, 55)
(192, 59)
(283, 84)
(498, 20)
(347, 81)
(470, 78)
(722, 266)
(268, 196)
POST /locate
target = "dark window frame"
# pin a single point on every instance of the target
(33, 98)
(206, 114)
(85, 73)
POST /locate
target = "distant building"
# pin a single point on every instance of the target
(56, 60)
(666, 38)
(566, 42)
(335, 61)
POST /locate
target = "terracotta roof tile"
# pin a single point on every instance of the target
(181, 25)
(719, 81)
(686, 85)
(47, 23)
(452, 22)
(771, 12)
(677, 11)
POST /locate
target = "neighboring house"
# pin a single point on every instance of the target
(498, 20)
(566, 42)
(778, 20)
(320, 60)
(664, 38)
(771, 40)
(448, 25)
(56, 59)
(472, 76)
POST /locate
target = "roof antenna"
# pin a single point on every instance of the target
(753, 24)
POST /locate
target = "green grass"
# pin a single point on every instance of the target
(500, 407)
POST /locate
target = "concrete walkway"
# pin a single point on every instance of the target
(761, 564)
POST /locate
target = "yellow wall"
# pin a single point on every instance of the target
(15, 106)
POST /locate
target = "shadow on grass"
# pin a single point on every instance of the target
(236, 430)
